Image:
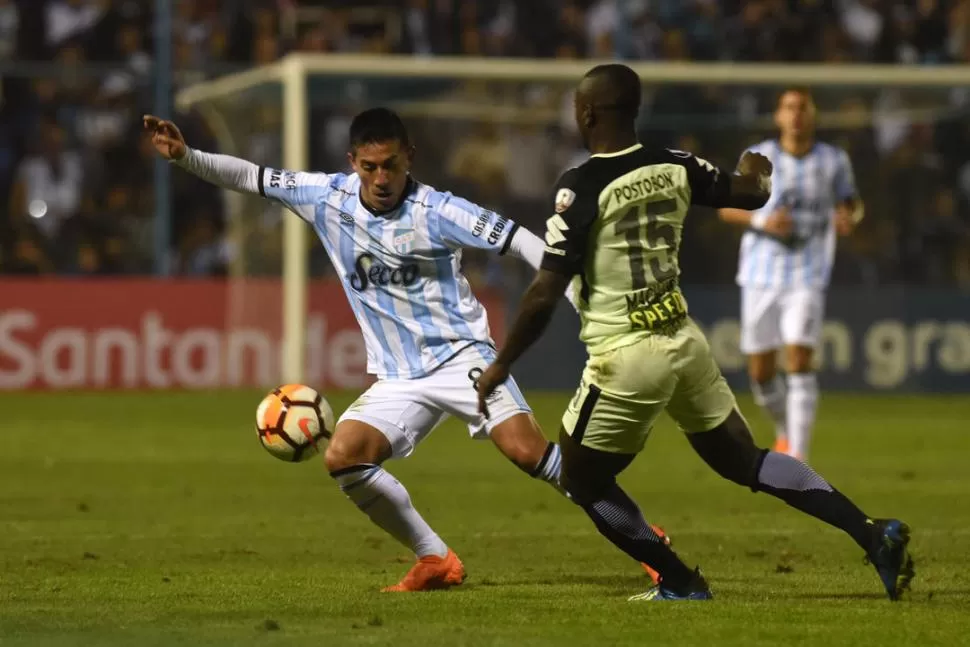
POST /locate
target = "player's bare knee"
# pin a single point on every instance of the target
(355, 444)
(799, 359)
(525, 456)
(761, 367)
(520, 440)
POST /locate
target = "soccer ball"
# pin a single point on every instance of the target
(291, 421)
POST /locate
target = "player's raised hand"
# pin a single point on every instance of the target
(754, 164)
(779, 223)
(493, 377)
(166, 137)
(845, 220)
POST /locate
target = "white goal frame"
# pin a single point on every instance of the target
(292, 72)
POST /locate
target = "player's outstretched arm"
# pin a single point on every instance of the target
(297, 191)
(224, 171)
(748, 188)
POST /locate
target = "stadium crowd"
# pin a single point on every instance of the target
(76, 175)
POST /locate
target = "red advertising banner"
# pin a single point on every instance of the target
(191, 334)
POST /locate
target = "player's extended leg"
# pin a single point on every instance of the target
(354, 456)
(729, 450)
(704, 407)
(760, 341)
(510, 425)
(589, 475)
(605, 425)
(521, 441)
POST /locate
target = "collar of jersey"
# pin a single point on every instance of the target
(635, 147)
(408, 190)
(796, 157)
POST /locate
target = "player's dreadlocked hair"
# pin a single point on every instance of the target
(377, 125)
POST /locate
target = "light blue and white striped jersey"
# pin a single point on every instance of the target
(810, 186)
(401, 270)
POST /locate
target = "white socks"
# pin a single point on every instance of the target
(549, 468)
(382, 498)
(771, 396)
(802, 405)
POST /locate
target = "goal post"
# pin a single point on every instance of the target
(295, 235)
(425, 88)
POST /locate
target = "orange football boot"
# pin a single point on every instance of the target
(431, 573)
(654, 575)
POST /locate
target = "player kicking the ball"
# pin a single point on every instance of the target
(786, 258)
(616, 233)
(396, 245)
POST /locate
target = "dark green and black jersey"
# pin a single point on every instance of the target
(617, 228)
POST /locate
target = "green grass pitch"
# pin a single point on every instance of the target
(156, 519)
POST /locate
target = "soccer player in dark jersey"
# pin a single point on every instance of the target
(616, 232)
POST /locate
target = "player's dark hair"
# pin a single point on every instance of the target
(803, 90)
(620, 89)
(377, 125)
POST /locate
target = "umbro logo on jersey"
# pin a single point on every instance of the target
(346, 218)
(556, 229)
(564, 198)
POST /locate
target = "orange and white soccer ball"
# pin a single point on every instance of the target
(292, 420)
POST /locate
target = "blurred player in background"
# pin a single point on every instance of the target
(616, 232)
(785, 262)
(396, 245)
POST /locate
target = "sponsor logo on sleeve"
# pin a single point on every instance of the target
(285, 179)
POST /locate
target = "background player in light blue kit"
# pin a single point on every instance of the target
(785, 263)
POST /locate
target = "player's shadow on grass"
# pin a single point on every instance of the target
(841, 595)
(943, 595)
(624, 582)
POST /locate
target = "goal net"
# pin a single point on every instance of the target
(500, 132)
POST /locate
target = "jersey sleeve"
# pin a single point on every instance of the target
(844, 181)
(709, 185)
(567, 231)
(298, 191)
(465, 224)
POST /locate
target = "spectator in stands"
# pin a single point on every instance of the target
(91, 170)
(9, 29)
(70, 19)
(27, 255)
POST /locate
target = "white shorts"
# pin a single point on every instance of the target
(407, 411)
(776, 317)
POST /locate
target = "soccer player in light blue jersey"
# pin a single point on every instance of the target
(785, 262)
(396, 245)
